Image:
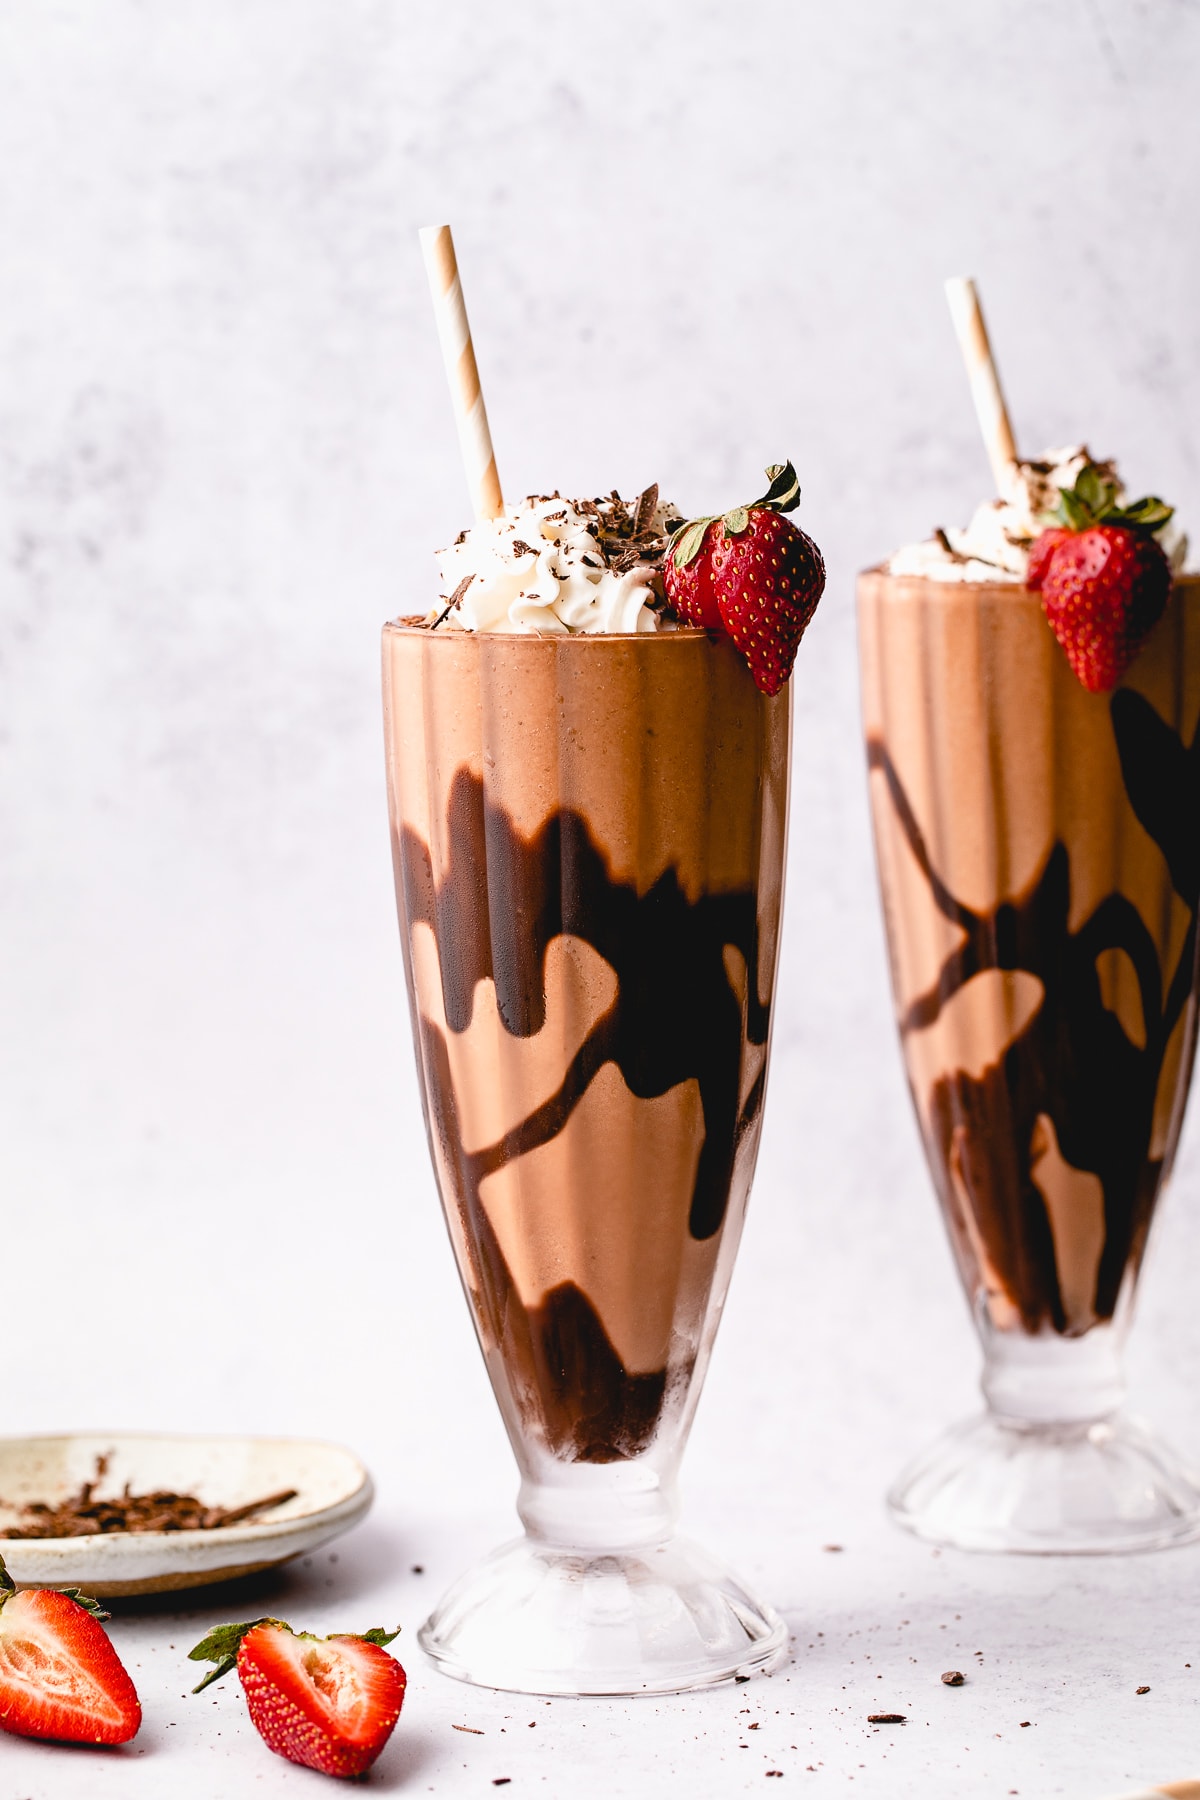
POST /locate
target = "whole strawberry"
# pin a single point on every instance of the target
(330, 1703)
(59, 1675)
(1103, 578)
(752, 574)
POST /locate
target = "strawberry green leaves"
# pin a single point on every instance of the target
(222, 1644)
(1150, 514)
(685, 546)
(378, 1635)
(220, 1648)
(783, 495)
(1093, 501)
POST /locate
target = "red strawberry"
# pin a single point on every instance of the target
(690, 585)
(328, 1703)
(59, 1675)
(754, 575)
(1103, 579)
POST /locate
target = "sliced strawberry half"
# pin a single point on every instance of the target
(59, 1674)
(328, 1703)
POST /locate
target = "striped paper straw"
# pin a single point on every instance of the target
(981, 373)
(458, 352)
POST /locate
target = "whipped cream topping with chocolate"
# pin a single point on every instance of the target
(995, 546)
(552, 565)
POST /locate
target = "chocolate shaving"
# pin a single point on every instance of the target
(954, 555)
(626, 534)
(887, 1718)
(82, 1515)
(453, 601)
(520, 548)
(644, 512)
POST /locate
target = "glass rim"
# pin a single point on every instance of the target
(685, 634)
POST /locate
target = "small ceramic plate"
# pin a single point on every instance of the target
(333, 1491)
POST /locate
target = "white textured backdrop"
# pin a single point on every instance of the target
(695, 239)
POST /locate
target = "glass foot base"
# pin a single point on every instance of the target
(659, 1620)
(1085, 1489)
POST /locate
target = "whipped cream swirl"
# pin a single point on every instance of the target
(995, 546)
(553, 565)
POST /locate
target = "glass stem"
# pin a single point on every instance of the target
(1046, 1379)
(599, 1506)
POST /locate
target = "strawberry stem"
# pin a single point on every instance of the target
(782, 496)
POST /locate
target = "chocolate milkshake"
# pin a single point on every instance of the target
(588, 798)
(1036, 852)
(589, 837)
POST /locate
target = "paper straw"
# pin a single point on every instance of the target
(981, 373)
(458, 352)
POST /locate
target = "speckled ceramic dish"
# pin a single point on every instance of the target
(333, 1492)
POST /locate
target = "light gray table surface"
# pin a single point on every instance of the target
(695, 239)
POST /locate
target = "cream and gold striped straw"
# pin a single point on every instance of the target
(990, 409)
(458, 353)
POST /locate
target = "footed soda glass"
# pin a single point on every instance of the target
(1039, 861)
(589, 841)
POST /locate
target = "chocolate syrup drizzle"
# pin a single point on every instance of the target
(675, 1018)
(1073, 1061)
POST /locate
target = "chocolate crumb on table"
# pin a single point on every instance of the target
(954, 1678)
(887, 1718)
(1141, 1690)
(82, 1515)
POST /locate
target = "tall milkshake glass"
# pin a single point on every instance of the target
(1038, 852)
(589, 846)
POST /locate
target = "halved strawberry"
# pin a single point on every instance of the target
(1103, 579)
(753, 574)
(59, 1675)
(328, 1703)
